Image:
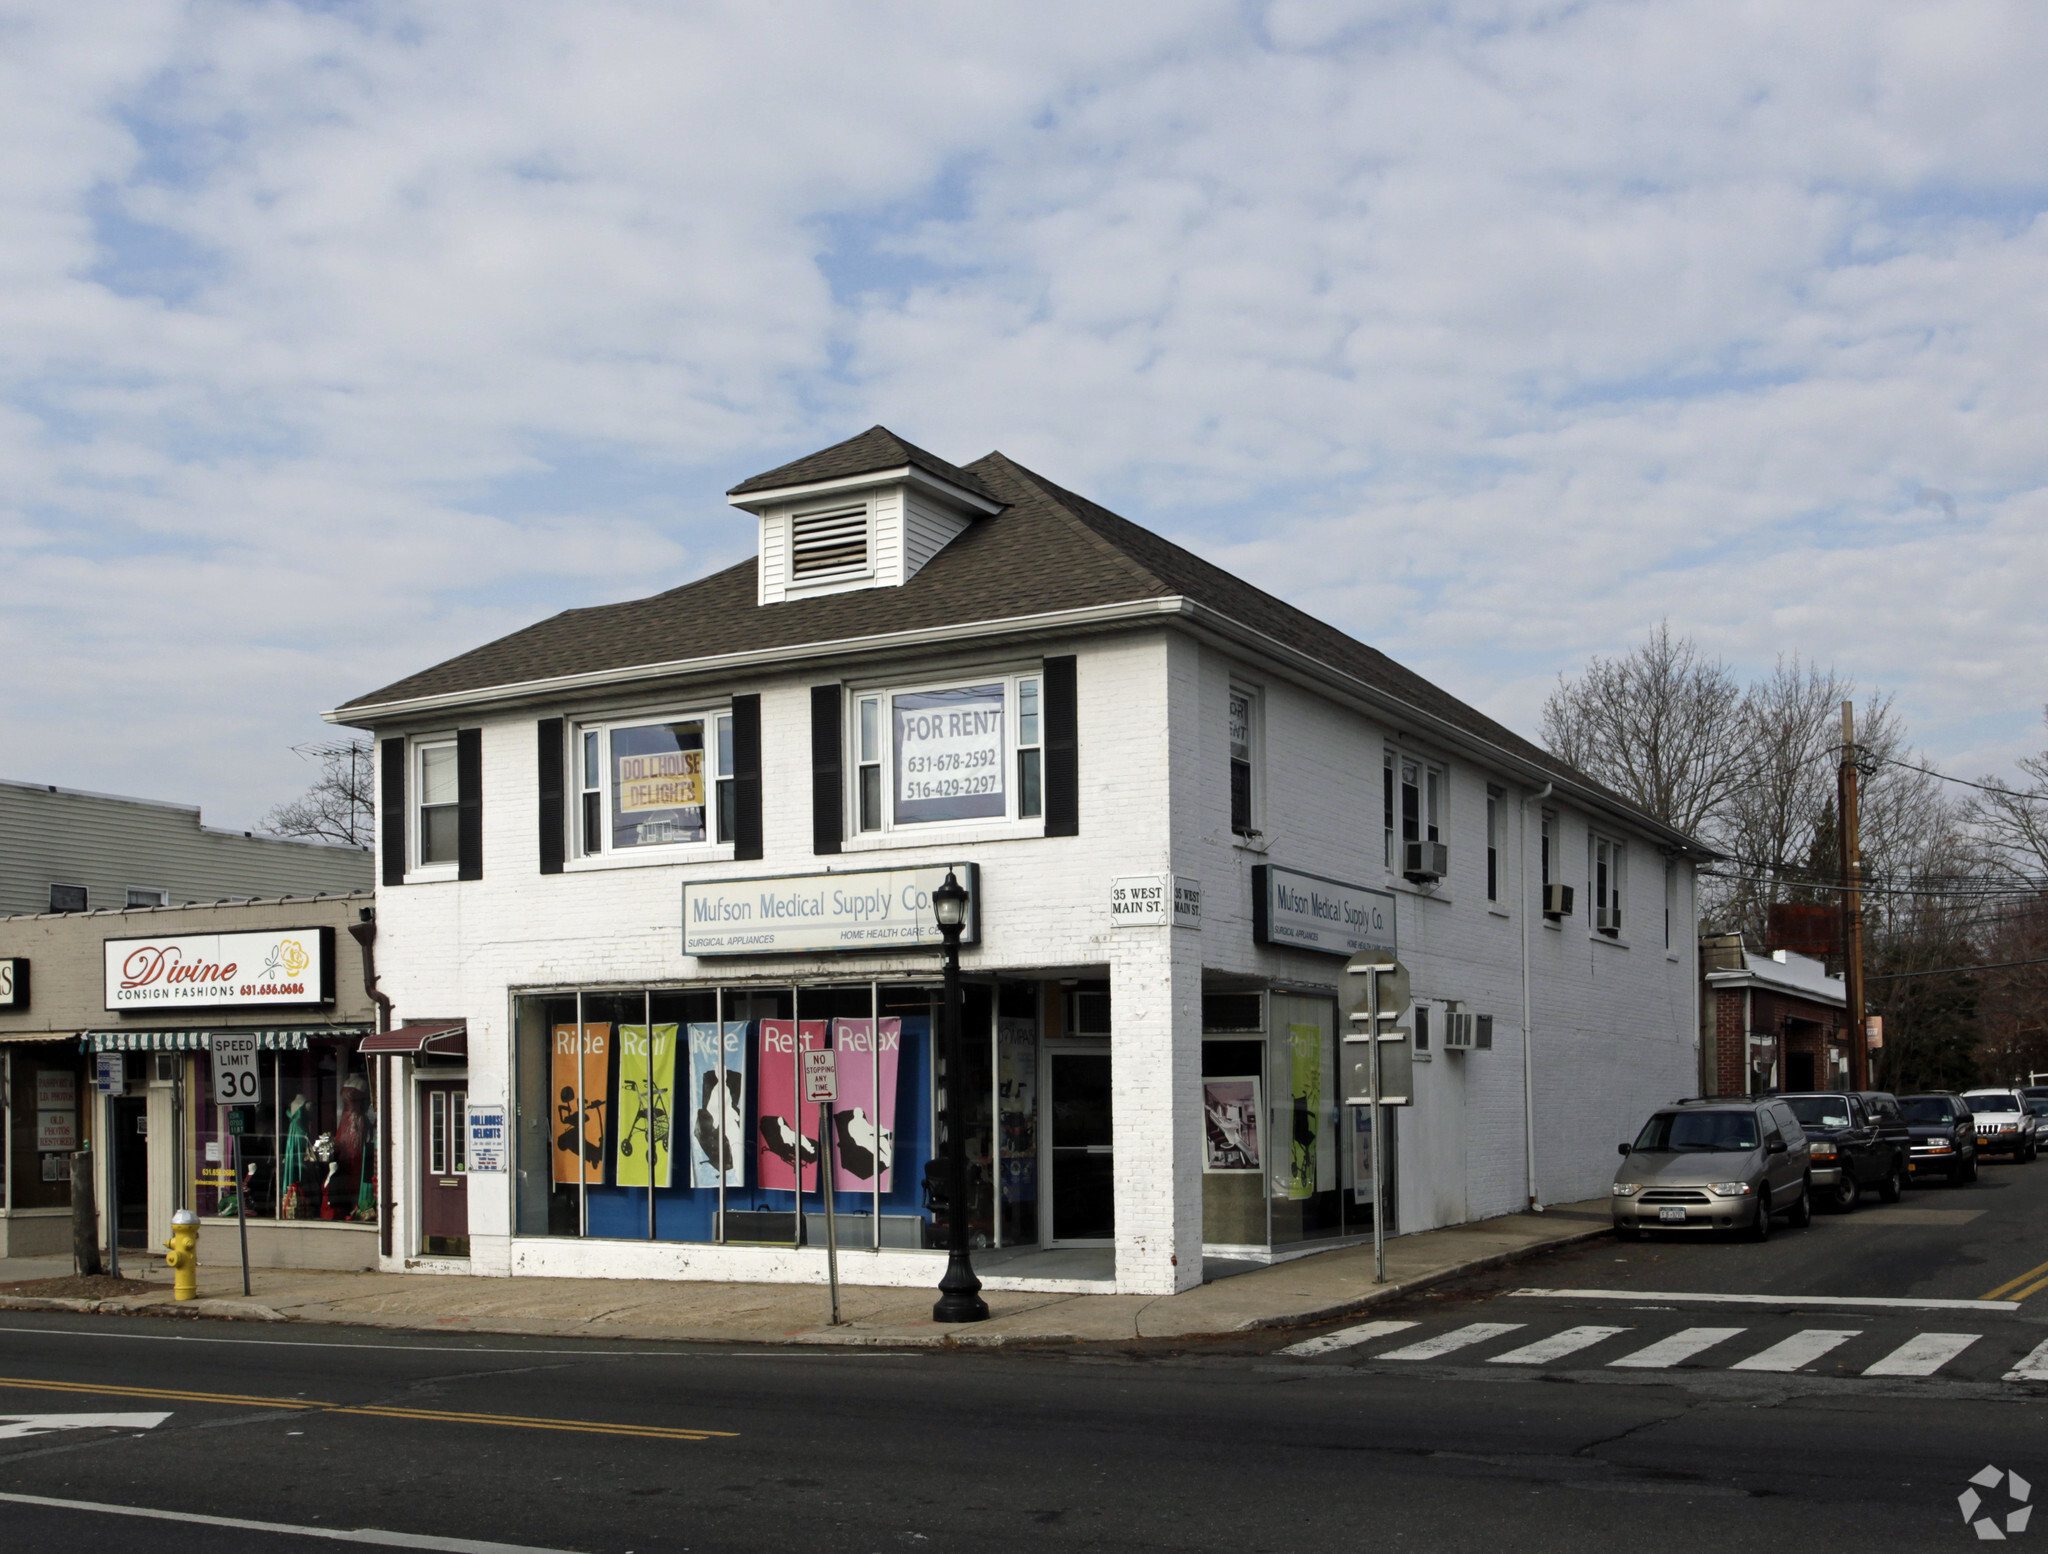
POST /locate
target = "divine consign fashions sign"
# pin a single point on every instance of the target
(877, 909)
(1308, 912)
(221, 970)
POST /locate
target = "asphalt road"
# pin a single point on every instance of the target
(1529, 1437)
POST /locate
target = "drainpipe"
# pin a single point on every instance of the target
(364, 932)
(1528, 1076)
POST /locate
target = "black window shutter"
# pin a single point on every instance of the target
(393, 803)
(746, 777)
(1062, 749)
(469, 804)
(828, 780)
(553, 814)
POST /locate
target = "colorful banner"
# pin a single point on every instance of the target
(718, 1105)
(785, 1130)
(647, 1078)
(1305, 1053)
(582, 1102)
(864, 1125)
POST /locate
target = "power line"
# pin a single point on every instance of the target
(1981, 787)
(1949, 971)
(1992, 893)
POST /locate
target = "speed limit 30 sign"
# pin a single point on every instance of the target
(234, 1068)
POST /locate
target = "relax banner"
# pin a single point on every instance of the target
(863, 1121)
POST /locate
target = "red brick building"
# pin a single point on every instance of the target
(1769, 1021)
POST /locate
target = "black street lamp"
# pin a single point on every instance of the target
(959, 1291)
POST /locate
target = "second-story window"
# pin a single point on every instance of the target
(1422, 788)
(1243, 749)
(1387, 765)
(1606, 868)
(1548, 844)
(948, 754)
(1493, 840)
(646, 784)
(439, 817)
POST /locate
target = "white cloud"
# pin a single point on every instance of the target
(333, 342)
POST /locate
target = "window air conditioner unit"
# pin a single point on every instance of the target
(1557, 901)
(1457, 1031)
(1425, 861)
(1609, 921)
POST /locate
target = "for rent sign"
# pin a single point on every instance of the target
(881, 909)
(221, 970)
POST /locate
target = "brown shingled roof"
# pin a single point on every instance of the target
(876, 448)
(1049, 550)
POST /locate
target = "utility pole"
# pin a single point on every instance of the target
(1852, 904)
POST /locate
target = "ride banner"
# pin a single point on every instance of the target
(864, 1122)
(785, 1130)
(718, 1104)
(647, 1078)
(582, 1075)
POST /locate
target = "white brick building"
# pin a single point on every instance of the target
(589, 828)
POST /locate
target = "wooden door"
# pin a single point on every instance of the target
(444, 1168)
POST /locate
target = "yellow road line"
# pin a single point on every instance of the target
(378, 1411)
(2002, 1292)
(2033, 1289)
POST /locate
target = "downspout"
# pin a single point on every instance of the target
(364, 932)
(1528, 1075)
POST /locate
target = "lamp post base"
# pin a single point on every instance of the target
(960, 1293)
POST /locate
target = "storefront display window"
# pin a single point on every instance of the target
(678, 1115)
(46, 1090)
(307, 1150)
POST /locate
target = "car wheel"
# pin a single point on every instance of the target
(1893, 1187)
(1843, 1195)
(1970, 1169)
(1627, 1232)
(1760, 1229)
(1800, 1215)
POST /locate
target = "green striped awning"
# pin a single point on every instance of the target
(278, 1039)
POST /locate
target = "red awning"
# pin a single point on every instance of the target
(439, 1038)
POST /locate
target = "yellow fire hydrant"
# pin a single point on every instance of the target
(184, 1255)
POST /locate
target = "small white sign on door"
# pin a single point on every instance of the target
(486, 1137)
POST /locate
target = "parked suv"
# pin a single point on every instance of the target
(1847, 1150)
(1714, 1165)
(1944, 1137)
(1890, 1122)
(2004, 1125)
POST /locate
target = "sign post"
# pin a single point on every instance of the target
(1381, 995)
(235, 1084)
(821, 1084)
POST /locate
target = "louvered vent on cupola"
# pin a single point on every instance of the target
(829, 544)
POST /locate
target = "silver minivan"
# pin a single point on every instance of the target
(1714, 1165)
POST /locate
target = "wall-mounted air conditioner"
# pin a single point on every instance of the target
(1422, 861)
(1608, 921)
(1557, 901)
(1457, 1031)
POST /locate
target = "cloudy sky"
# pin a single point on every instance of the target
(336, 338)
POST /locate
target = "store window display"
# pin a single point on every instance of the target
(307, 1150)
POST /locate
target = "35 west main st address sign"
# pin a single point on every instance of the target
(293, 966)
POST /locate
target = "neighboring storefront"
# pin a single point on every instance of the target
(117, 1037)
(636, 862)
(1771, 1020)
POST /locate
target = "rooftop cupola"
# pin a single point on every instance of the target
(865, 513)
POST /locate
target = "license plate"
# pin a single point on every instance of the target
(1672, 1214)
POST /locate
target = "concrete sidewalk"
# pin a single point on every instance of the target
(1306, 1290)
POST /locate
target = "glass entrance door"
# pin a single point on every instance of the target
(1083, 1178)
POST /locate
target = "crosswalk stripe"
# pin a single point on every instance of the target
(2034, 1367)
(1679, 1347)
(1459, 1338)
(1557, 1346)
(1802, 1348)
(1923, 1354)
(1345, 1337)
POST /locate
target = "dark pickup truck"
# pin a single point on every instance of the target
(1849, 1150)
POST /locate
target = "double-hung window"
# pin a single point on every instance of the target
(1606, 869)
(1387, 766)
(649, 783)
(958, 753)
(1548, 843)
(438, 834)
(1422, 789)
(1493, 840)
(1244, 733)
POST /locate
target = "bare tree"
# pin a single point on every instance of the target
(1659, 725)
(340, 806)
(2012, 823)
